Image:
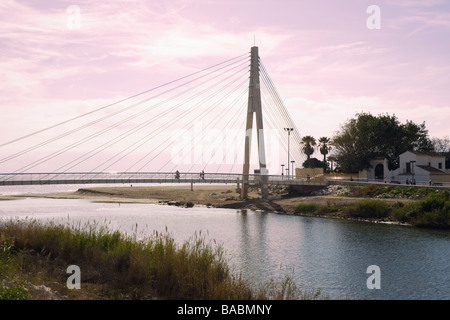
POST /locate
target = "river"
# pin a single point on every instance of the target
(319, 253)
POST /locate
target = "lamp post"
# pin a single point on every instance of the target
(413, 180)
(282, 171)
(293, 174)
(289, 134)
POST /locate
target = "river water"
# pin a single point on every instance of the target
(319, 253)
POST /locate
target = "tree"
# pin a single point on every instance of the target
(308, 146)
(332, 159)
(442, 145)
(366, 137)
(324, 148)
(313, 163)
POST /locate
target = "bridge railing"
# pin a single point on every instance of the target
(143, 177)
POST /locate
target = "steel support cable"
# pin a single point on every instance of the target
(279, 134)
(164, 126)
(54, 154)
(280, 103)
(204, 115)
(273, 111)
(154, 150)
(280, 122)
(244, 134)
(217, 119)
(186, 111)
(271, 89)
(273, 122)
(274, 94)
(199, 104)
(106, 117)
(241, 144)
(217, 104)
(275, 99)
(275, 149)
(277, 119)
(142, 125)
(296, 153)
(274, 117)
(117, 102)
(283, 111)
(212, 125)
(155, 156)
(226, 147)
(235, 117)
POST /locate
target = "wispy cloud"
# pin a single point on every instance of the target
(415, 3)
(320, 55)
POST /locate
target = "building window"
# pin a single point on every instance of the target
(408, 167)
(440, 165)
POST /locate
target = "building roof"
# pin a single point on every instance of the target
(430, 169)
(427, 153)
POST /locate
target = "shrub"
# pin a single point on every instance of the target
(432, 211)
(14, 293)
(315, 208)
(307, 207)
(368, 209)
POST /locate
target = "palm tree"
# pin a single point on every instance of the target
(308, 145)
(324, 147)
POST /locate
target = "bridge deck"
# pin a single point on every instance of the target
(142, 178)
(9, 179)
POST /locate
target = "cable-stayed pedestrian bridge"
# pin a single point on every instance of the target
(205, 121)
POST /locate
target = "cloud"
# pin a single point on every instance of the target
(39, 49)
(415, 3)
(325, 67)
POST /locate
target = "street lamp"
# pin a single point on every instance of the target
(289, 133)
(413, 180)
(293, 175)
(282, 171)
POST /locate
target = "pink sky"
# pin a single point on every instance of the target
(325, 62)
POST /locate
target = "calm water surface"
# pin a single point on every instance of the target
(329, 254)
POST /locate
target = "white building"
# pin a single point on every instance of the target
(414, 165)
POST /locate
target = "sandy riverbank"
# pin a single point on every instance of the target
(205, 195)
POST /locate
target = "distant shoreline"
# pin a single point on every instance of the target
(217, 196)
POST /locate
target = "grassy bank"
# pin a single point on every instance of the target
(389, 192)
(115, 266)
(432, 210)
